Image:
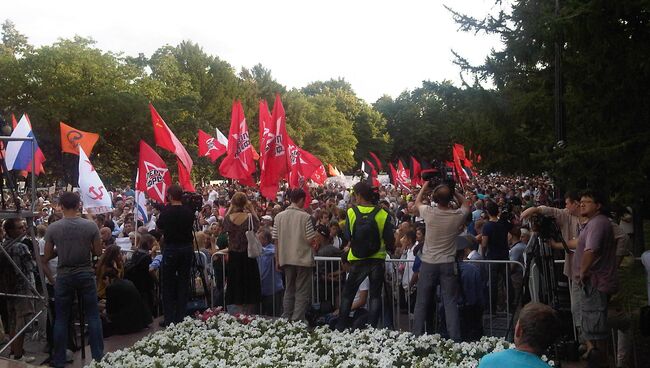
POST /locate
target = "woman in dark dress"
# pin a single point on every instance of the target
(243, 290)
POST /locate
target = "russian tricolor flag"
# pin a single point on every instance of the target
(18, 155)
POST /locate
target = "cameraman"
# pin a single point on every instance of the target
(176, 222)
(568, 220)
(439, 256)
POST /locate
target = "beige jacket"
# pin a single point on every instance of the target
(294, 231)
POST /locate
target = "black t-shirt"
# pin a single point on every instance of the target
(176, 222)
(125, 307)
(497, 233)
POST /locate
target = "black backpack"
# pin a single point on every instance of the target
(365, 238)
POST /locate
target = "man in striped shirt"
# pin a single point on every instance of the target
(294, 238)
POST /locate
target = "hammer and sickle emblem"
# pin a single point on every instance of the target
(74, 137)
(97, 196)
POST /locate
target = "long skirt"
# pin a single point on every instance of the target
(243, 279)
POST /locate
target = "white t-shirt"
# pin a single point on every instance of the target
(337, 242)
(408, 268)
(52, 263)
(213, 196)
(365, 285)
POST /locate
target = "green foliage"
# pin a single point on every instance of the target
(75, 82)
(606, 74)
(369, 126)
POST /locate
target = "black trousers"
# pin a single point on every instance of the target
(176, 264)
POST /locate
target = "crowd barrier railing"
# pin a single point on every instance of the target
(398, 299)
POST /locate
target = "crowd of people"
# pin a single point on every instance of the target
(127, 271)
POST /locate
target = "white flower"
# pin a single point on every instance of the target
(223, 340)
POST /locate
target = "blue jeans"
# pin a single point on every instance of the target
(444, 274)
(374, 270)
(176, 264)
(65, 289)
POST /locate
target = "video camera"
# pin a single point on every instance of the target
(546, 227)
(438, 174)
(194, 201)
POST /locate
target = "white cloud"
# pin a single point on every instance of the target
(380, 47)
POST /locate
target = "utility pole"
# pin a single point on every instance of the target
(560, 131)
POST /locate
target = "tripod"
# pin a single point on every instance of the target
(539, 252)
(193, 304)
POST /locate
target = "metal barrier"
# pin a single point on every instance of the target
(397, 297)
(219, 283)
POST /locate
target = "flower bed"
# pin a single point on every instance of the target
(220, 340)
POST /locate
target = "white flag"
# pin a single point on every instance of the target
(140, 201)
(221, 139)
(94, 196)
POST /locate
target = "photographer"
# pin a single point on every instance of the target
(568, 220)
(439, 255)
(176, 222)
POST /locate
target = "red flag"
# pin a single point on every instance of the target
(460, 150)
(458, 153)
(319, 176)
(209, 146)
(312, 167)
(393, 174)
(372, 173)
(402, 178)
(14, 122)
(166, 139)
(416, 170)
(468, 163)
(238, 163)
(275, 152)
(379, 165)
(297, 179)
(265, 131)
(153, 177)
(184, 176)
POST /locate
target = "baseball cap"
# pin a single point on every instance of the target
(314, 201)
(267, 218)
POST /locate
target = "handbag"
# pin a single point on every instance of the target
(254, 245)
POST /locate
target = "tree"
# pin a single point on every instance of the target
(604, 55)
(316, 125)
(369, 126)
(14, 42)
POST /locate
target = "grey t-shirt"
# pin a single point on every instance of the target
(442, 228)
(73, 239)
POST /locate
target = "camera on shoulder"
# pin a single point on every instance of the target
(438, 174)
(193, 201)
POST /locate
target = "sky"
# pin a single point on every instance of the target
(380, 47)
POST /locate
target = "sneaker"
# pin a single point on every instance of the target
(25, 359)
